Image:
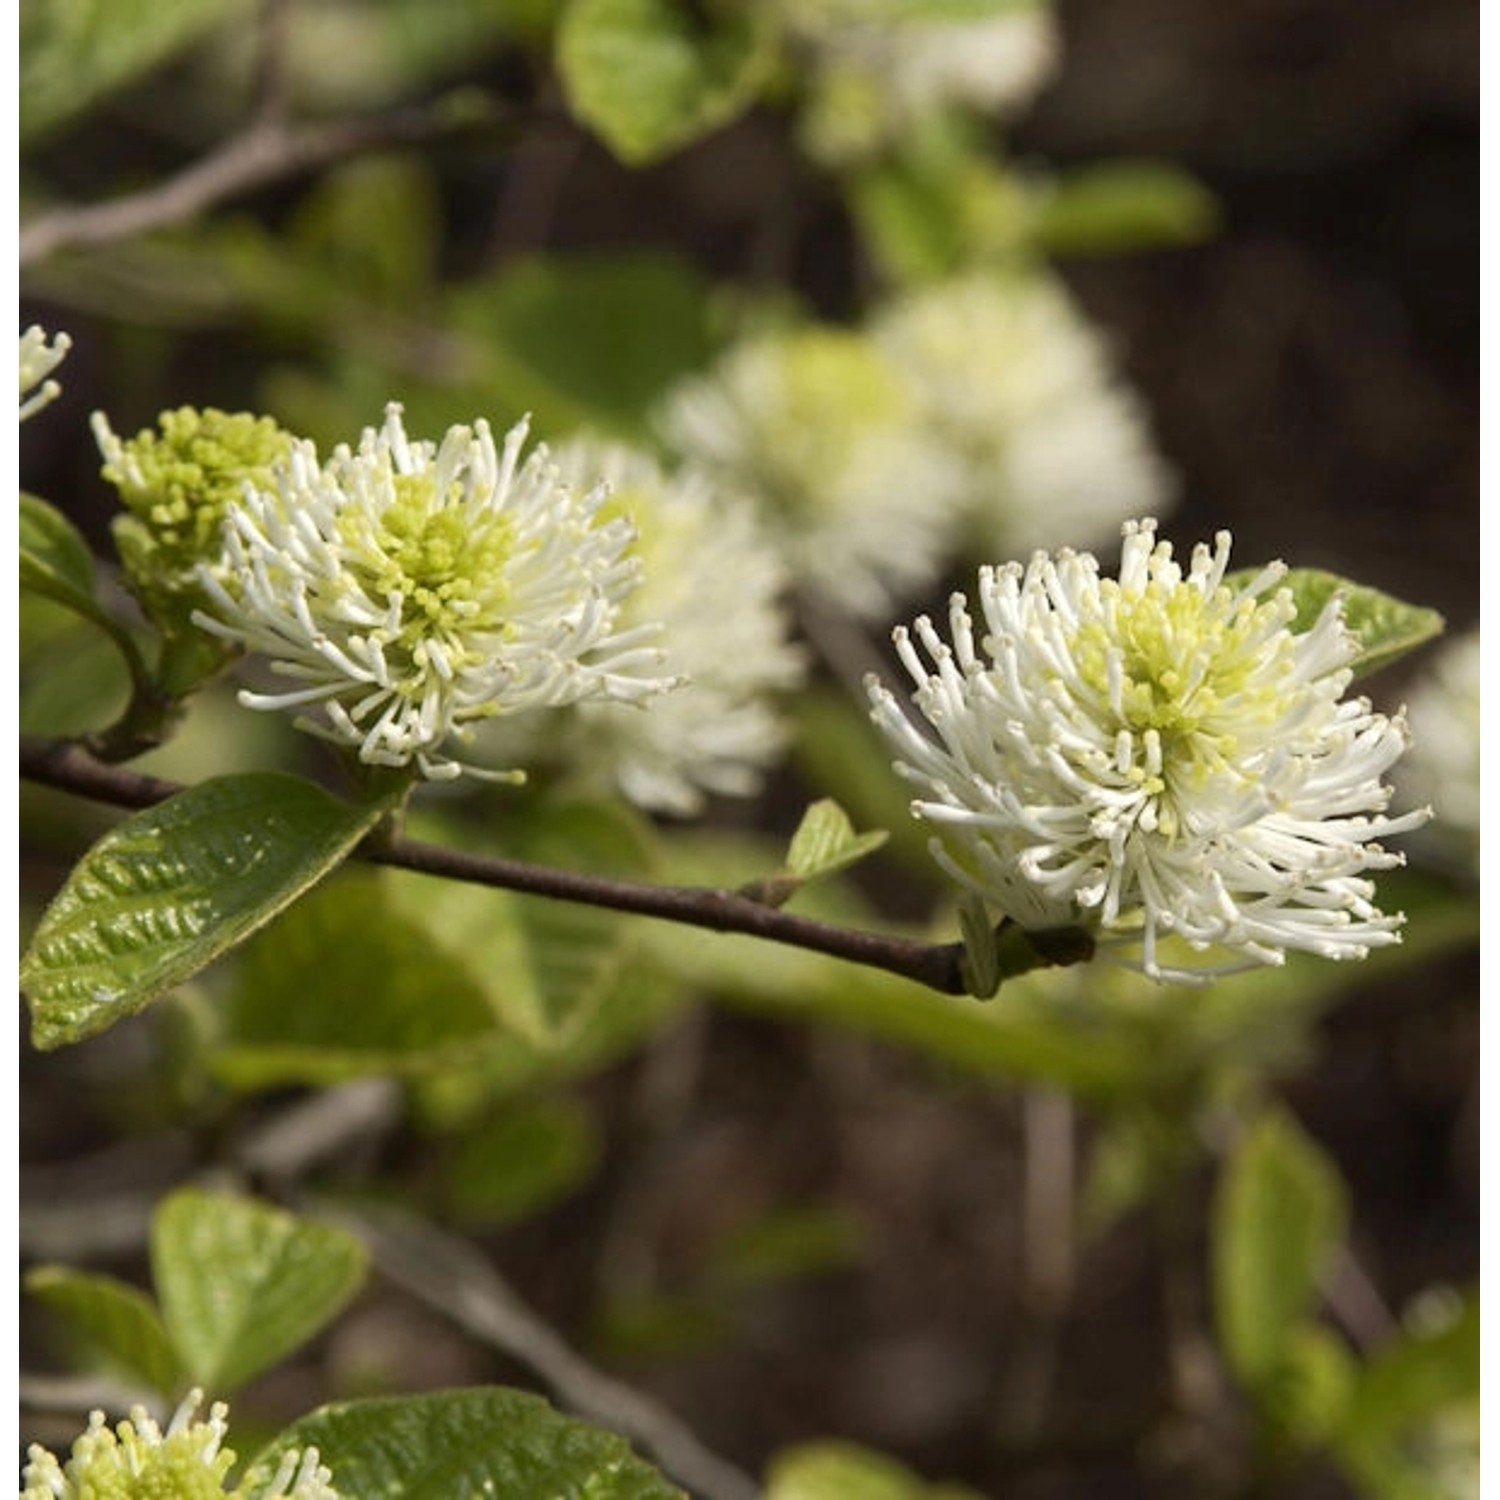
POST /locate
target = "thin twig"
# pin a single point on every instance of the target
(452, 1277)
(938, 966)
(265, 151)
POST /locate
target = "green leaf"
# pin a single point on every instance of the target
(649, 76)
(344, 984)
(485, 1440)
(590, 340)
(74, 52)
(1385, 627)
(243, 1284)
(373, 226)
(825, 843)
(942, 205)
(520, 1164)
(169, 890)
(55, 559)
(119, 1321)
(836, 746)
(834, 1470)
(1307, 1394)
(1418, 1375)
(1123, 205)
(789, 1243)
(1279, 1215)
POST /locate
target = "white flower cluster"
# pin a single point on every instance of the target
(188, 1461)
(1156, 757)
(880, 67)
(38, 359)
(1443, 767)
(820, 431)
(411, 591)
(715, 584)
(1055, 447)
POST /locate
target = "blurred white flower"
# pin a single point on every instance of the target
(1011, 374)
(817, 428)
(187, 1462)
(1443, 767)
(1154, 756)
(412, 590)
(38, 359)
(716, 585)
(878, 67)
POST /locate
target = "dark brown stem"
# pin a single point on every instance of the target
(69, 767)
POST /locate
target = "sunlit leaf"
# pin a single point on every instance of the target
(652, 75)
(1385, 627)
(242, 1284)
(169, 890)
(484, 1440)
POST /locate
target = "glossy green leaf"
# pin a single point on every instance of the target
(74, 52)
(650, 76)
(118, 1321)
(344, 984)
(1123, 205)
(1385, 627)
(485, 1440)
(242, 1284)
(836, 1470)
(1279, 1215)
(169, 890)
(520, 1164)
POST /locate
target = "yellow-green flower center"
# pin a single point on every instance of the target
(181, 482)
(1172, 661)
(835, 391)
(447, 563)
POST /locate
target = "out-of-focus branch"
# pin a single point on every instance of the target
(452, 1277)
(266, 151)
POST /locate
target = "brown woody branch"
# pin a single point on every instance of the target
(938, 966)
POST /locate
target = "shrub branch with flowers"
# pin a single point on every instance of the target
(526, 657)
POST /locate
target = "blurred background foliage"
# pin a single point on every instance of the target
(1092, 1238)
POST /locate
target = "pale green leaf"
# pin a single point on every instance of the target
(169, 890)
(1385, 627)
(836, 1470)
(1278, 1217)
(484, 1440)
(242, 1284)
(1123, 205)
(118, 1321)
(650, 76)
(344, 984)
(825, 842)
